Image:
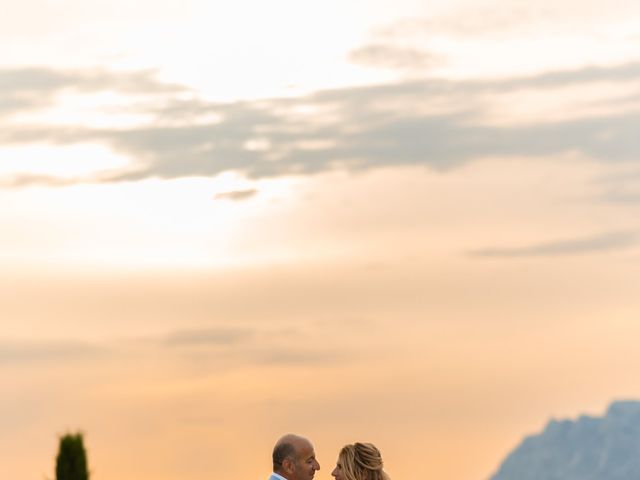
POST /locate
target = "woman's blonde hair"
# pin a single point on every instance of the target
(362, 461)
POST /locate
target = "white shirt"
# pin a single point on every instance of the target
(279, 477)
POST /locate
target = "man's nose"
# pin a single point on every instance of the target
(317, 465)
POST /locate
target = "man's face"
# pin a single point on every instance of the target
(306, 465)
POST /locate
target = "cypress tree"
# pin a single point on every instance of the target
(71, 463)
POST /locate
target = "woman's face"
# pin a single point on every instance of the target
(337, 472)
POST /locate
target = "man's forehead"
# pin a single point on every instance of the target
(309, 455)
(301, 445)
(305, 448)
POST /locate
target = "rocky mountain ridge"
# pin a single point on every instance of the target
(588, 448)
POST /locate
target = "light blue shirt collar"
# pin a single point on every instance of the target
(279, 477)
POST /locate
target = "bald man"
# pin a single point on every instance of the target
(294, 459)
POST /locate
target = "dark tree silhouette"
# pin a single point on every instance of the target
(71, 462)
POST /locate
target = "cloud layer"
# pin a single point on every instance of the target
(434, 123)
(598, 243)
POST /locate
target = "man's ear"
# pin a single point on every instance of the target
(288, 465)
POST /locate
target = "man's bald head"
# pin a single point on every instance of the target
(294, 458)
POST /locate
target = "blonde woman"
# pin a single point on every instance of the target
(359, 461)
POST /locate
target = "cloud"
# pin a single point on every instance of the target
(622, 197)
(42, 79)
(435, 123)
(616, 73)
(466, 23)
(621, 187)
(594, 244)
(237, 194)
(391, 56)
(21, 180)
(517, 18)
(222, 336)
(47, 351)
(255, 346)
(295, 357)
(30, 88)
(221, 348)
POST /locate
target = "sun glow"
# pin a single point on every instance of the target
(190, 223)
(60, 162)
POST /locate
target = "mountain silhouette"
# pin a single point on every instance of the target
(589, 448)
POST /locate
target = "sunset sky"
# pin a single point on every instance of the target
(408, 223)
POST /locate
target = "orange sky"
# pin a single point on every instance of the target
(222, 224)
